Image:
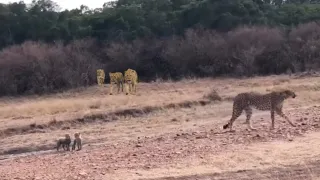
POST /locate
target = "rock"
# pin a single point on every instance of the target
(138, 145)
(82, 173)
(174, 120)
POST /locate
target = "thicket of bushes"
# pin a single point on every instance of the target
(35, 67)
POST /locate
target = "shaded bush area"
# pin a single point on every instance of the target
(35, 67)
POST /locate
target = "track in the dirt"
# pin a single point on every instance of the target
(307, 171)
(99, 117)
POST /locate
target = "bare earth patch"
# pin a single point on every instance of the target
(169, 142)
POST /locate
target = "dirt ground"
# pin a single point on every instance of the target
(179, 139)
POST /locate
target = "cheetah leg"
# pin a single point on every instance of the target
(102, 81)
(235, 115)
(111, 87)
(248, 112)
(122, 86)
(280, 113)
(127, 88)
(130, 87)
(79, 146)
(134, 87)
(272, 120)
(118, 86)
(98, 80)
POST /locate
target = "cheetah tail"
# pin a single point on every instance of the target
(226, 126)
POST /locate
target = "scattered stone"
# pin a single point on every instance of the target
(194, 133)
(82, 173)
(138, 145)
(174, 120)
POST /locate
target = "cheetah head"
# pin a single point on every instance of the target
(77, 135)
(67, 136)
(288, 93)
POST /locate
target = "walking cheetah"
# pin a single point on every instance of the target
(116, 78)
(130, 79)
(100, 76)
(272, 101)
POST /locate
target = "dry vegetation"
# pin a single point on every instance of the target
(177, 125)
(40, 68)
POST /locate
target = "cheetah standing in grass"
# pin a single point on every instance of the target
(272, 101)
(116, 78)
(100, 76)
(130, 79)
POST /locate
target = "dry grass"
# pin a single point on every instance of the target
(96, 98)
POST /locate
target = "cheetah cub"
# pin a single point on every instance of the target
(64, 142)
(77, 141)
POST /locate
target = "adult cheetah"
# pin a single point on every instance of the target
(130, 79)
(100, 76)
(116, 78)
(272, 101)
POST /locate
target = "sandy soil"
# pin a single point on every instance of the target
(168, 143)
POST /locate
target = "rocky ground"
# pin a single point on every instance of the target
(173, 153)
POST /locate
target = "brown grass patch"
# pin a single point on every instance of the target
(106, 117)
(213, 96)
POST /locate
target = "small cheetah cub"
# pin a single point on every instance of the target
(77, 141)
(65, 142)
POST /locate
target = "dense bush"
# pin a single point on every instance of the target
(36, 67)
(45, 48)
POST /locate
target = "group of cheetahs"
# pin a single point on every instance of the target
(66, 141)
(129, 80)
(272, 102)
